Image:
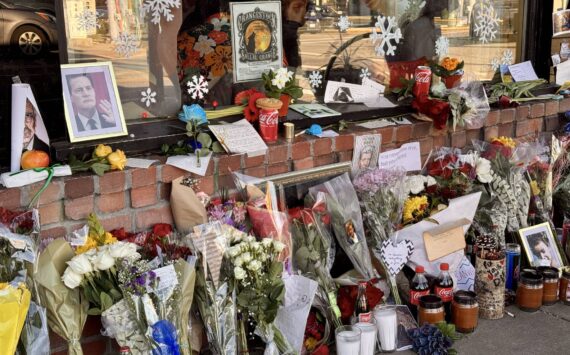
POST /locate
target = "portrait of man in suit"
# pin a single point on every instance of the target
(90, 114)
(31, 140)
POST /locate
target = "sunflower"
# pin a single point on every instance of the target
(504, 141)
(415, 207)
(219, 61)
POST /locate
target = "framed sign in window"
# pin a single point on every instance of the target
(256, 38)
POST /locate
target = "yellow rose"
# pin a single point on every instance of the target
(89, 244)
(109, 239)
(101, 151)
(117, 159)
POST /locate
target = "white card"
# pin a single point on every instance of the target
(239, 137)
(190, 163)
(140, 163)
(395, 256)
(563, 72)
(406, 157)
(523, 71)
(376, 124)
(373, 85)
(166, 278)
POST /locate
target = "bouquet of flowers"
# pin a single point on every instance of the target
(230, 212)
(247, 99)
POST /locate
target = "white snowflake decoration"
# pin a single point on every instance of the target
(87, 21)
(315, 79)
(389, 31)
(486, 24)
(495, 64)
(158, 8)
(507, 58)
(343, 23)
(442, 46)
(126, 44)
(197, 87)
(148, 97)
(364, 73)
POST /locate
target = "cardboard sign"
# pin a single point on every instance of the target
(445, 239)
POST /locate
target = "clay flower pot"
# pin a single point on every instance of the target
(285, 99)
(453, 80)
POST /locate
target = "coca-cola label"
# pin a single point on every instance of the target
(365, 317)
(423, 77)
(268, 118)
(445, 293)
(415, 296)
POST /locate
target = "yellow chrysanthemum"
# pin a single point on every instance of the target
(534, 188)
(109, 239)
(450, 63)
(505, 141)
(310, 343)
(413, 205)
(89, 244)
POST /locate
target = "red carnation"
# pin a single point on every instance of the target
(162, 230)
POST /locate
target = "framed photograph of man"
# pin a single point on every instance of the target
(540, 246)
(92, 104)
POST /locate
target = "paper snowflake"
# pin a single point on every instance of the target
(486, 24)
(197, 87)
(315, 79)
(495, 64)
(389, 31)
(148, 97)
(364, 73)
(126, 44)
(442, 46)
(343, 23)
(87, 21)
(508, 57)
(158, 8)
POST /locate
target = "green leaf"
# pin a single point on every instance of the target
(217, 148)
(204, 152)
(100, 168)
(165, 148)
(204, 139)
(94, 312)
(106, 301)
(190, 128)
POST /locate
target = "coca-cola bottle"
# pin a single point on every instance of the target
(419, 286)
(362, 309)
(444, 289)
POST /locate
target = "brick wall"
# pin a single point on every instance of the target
(138, 198)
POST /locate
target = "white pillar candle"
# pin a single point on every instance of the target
(387, 324)
(348, 340)
(368, 338)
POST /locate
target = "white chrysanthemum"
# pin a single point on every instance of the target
(278, 246)
(266, 242)
(238, 261)
(484, 171)
(254, 266)
(234, 251)
(431, 181)
(415, 184)
(246, 257)
(239, 273)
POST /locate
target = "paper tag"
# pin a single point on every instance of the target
(445, 239)
(166, 278)
(395, 256)
(406, 157)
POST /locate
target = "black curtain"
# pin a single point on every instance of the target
(537, 29)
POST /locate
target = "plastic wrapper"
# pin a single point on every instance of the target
(164, 334)
(14, 304)
(187, 279)
(35, 335)
(119, 323)
(469, 105)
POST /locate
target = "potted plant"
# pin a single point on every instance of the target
(281, 84)
(450, 70)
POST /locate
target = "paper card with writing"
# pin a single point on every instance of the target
(563, 72)
(366, 151)
(406, 157)
(166, 277)
(239, 137)
(523, 71)
(257, 43)
(445, 239)
(140, 163)
(190, 163)
(207, 238)
(465, 276)
(395, 256)
(374, 85)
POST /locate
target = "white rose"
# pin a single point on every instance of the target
(484, 172)
(71, 279)
(246, 257)
(266, 242)
(239, 273)
(254, 266)
(234, 251)
(123, 250)
(278, 246)
(103, 260)
(415, 184)
(431, 181)
(80, 264)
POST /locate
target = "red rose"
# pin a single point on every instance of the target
(161, 229)
(295, 213)
(323, 349)
(437, 110)
(326, 219)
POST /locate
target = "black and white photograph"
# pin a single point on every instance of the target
(540, 246)
(366, 151)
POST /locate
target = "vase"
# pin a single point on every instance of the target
(285, 99)
(490, 287)
(452, 80)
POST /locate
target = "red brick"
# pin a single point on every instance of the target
(10, 198)
(438, 132)
(277, 153)
(389, 147)
(491, 132)
(458, 139)
(107, 203)
(507, 129)
(53, 192)
(344, 142)
(403, 133)
(551, 107)
(275, 169)
(51, 213)
(426, 145)
(79, 208)
(536, 125)
(229, 163)
(303, 164)
(564, 105)
(421, 130)
(143, 177)
(79, 187)
(552, 123)
(508, 115)
(116, 222)
(440, 141)
(169, 173)
(322, 146)
(300, 150)
(523, 128)
(143, 196)
(55, 232)
(112, 182)
(537, 110)
(344, 156)
(523, 112)
(148, 218)
(493, 118)
(258, 171)
(387, 134)
(250, 162)
(473, 134)
(325, 160)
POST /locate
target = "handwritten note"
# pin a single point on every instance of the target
(190, 163)
(406, 157)
(239, 137)
(523, 71)
(206, 240)
(166, 278)
(563, 72)
(465, 276)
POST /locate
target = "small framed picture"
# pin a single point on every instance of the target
(540, 246)
(92, 105)
(366, 151)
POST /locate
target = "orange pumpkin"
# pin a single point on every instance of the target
(34, 159)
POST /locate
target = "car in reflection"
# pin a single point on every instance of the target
(27, 30)
(313, 21)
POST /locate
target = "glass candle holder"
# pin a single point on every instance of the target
(387, 324)
(348, 340)
(368, 337)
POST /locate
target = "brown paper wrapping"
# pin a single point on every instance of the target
(66, 308)
(490, 287)
(187, 209)
(187, 280)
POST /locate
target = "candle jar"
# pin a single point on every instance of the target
(564, 292)
(551, 284)
(348, 340)
(368, 337)
(490, 287)
(387, 325)
(430, 310)
(529, 291)
(465, 311)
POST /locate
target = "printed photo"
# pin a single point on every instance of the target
(366, 151)
(540, 246)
